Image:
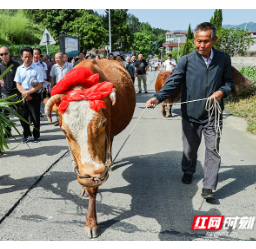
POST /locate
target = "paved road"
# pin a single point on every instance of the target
(143, 199)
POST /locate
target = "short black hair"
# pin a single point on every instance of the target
(170, 55)
(27, 49)
(133, 55)
(38, 49)
(205, 26)
(81, 52)
(110, 54)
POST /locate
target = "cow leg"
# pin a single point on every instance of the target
(170, 110)
(91, 226)
(163, 108)
(110, 141)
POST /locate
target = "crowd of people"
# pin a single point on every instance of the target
(33, 80)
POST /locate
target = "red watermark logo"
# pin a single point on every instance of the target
(210, 222)
(207, 223)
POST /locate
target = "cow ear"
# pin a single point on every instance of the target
(112, 96)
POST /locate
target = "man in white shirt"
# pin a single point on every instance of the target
(169, 64)
(60, 68)
(58, 71)
(27, 73)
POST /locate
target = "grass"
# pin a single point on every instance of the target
(245, 108)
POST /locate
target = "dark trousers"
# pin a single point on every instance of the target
(191, 137)
(5, 112)
(31, 108)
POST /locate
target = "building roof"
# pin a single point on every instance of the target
(175, 44)
(176, 32)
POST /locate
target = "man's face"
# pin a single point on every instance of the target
(140, 56)
(111, 57)
(65, 57)
(204, 42)
(118, 58)
(81, 56)
(133, 58)
(53, 61)
(169, 58)
(4, 54)
(36, 55)
(59, 59)
(27, 57)
(45, 58)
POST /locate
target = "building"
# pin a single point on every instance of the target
(252, 48)
(174, 40)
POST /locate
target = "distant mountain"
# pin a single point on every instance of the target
(251, 26)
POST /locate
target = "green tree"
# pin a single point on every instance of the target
(90, 29)
(121, 37)
(142, 44)
(133, 22)
(189, 45)
(217, 18)
(57, 21)
(233, 41)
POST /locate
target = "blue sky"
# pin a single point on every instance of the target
(173, 19)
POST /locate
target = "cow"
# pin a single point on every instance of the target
(90, 133)
(242, 85)
(160, 81)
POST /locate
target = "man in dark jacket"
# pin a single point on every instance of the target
(204, 73)
(9, 88)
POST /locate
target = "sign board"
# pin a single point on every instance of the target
(46, 39)
(69, 45)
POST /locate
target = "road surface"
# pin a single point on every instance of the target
(143, 199)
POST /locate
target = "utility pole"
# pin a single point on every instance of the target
(109, 29)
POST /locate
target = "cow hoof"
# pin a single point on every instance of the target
(170, 115)
(91, 232)
(164, 114)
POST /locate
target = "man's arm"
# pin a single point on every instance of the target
(172, 83)
(52, 81)
(35, 89)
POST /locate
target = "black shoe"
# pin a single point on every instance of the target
(187, 179)
(207, 194)
(139, 91)
(146, 91)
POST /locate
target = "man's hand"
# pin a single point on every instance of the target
(24, 94)
(218, 95)
(151, 103)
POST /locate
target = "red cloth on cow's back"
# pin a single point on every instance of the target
(82, 76)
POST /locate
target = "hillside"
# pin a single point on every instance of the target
(250, 25)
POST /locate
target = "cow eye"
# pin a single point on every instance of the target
(104, 124)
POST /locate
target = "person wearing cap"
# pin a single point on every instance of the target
(26, 74)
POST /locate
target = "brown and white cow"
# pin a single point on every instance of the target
(90, 133)
(160, 81)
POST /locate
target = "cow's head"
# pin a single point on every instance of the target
(84, 129)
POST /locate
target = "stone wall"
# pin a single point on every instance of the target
(239, 61)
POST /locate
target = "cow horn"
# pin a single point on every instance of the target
(112, 96)
(49, 104)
